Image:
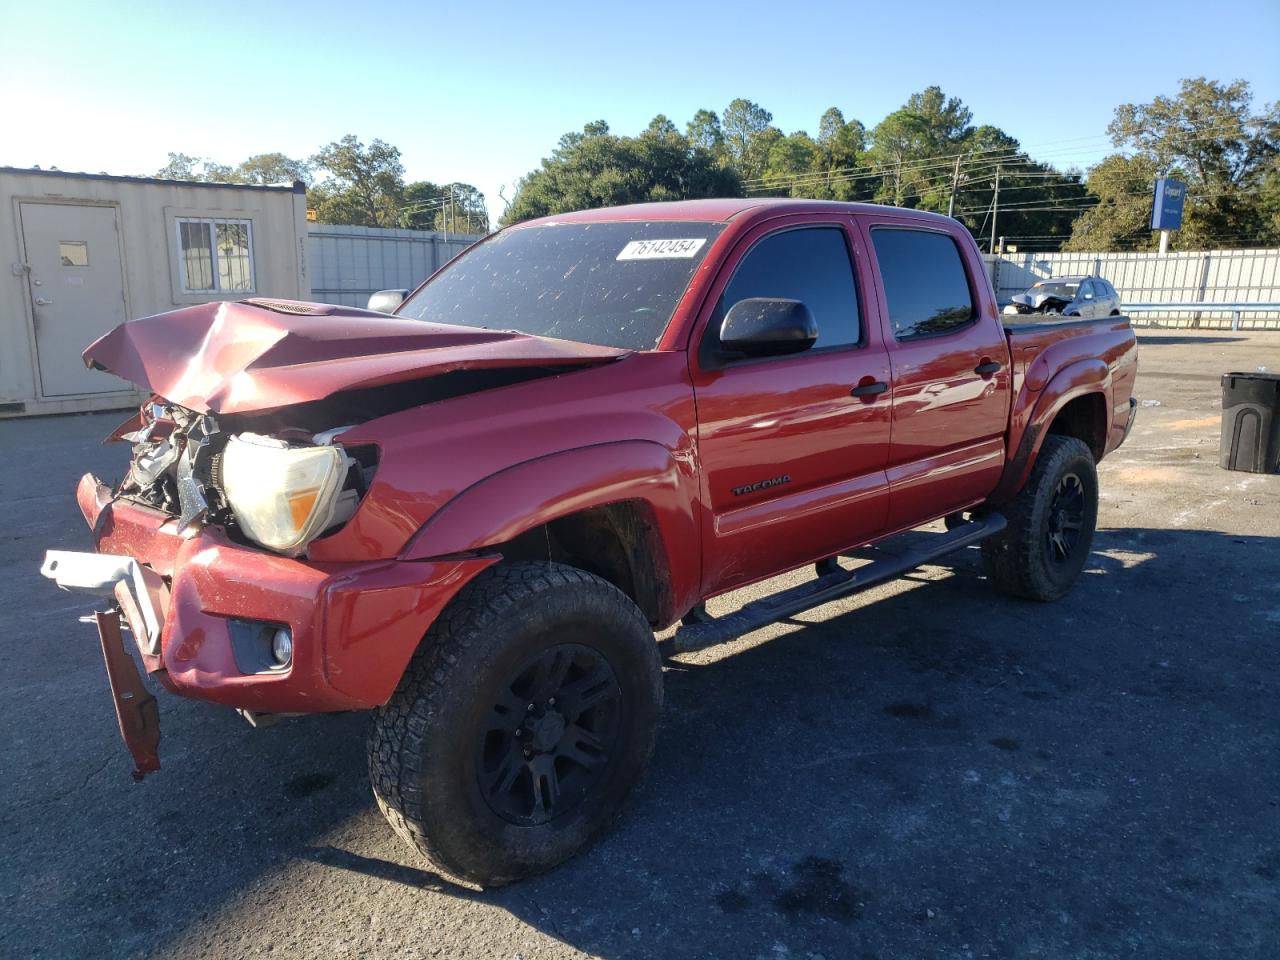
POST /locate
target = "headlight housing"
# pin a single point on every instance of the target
(282, 496)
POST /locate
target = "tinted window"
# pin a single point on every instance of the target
(810, 265)
(1087, 291)
(614, 284)
(924, 282)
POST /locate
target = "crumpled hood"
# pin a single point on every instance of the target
(252, 355)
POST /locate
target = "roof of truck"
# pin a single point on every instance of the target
(724, 210)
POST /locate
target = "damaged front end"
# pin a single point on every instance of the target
(190, 478)
(209, 547)
(279, 491)
(1026, 304)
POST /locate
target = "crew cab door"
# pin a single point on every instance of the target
(950, 368)
(792, 460)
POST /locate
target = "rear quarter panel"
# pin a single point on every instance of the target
(1053, 364)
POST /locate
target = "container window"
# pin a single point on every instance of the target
(215, 255)
(73, 253)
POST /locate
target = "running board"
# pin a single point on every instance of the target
(700, 632)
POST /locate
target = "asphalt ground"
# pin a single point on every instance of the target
(927, 770)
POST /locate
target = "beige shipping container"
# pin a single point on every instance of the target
(81, 253)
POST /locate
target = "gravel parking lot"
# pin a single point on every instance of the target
(928, 770)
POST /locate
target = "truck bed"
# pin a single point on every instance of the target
(1039, 321)
(1049, 348)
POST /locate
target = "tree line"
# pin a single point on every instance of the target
(929, 155)
(351, 183)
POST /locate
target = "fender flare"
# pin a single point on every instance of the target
(527, 495)
(1079, 379)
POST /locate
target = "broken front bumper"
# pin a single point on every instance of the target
(137, 713)
(354, 626)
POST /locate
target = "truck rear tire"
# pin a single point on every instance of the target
(521, 724)
(1050, 524)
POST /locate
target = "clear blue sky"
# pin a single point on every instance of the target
(481, 92)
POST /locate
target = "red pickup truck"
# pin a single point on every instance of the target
(470, 517)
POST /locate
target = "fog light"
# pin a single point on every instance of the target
(281, 646)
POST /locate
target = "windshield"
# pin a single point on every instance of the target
(1067, 291)
(609, 284)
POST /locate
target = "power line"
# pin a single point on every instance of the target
(889, 168)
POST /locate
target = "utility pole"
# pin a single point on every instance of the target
(995, 210)
(955, 182)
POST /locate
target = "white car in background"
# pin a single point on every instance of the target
(1084, 297)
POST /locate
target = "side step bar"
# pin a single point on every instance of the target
(699, 632)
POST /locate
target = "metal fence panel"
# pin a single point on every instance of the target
(1222, 276)
(350, 263)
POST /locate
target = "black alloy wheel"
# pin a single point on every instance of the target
(550, 735)
(1045, 544)
(521, 723)
(1065, 519)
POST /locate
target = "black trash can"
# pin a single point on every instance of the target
(1251, 422)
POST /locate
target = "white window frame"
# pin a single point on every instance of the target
(184, 288)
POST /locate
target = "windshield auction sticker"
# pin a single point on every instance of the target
(661, 249)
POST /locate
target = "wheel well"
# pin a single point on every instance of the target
(1084, 418)
(619, 542)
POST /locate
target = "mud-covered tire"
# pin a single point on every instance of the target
(442, 749)
(1038, 556)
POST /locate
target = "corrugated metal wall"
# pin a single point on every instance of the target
(349, 263)
(1244, 276)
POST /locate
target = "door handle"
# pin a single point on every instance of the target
(988, 368)
(42, 302)
(869, 389)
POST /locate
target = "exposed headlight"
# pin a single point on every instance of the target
(282, 496)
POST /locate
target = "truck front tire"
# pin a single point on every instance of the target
(1050, 524)
(521, 725)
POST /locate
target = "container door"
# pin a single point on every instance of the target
(76, 280)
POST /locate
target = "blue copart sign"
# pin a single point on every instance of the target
(1166, 212)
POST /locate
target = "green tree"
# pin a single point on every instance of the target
(1207, 136)
(271, 168)
(704, 131)
(420, 205)
(1120, 218)
(181, 166)
(362, 185)
(898, 143)
(790, 165)
(928, 127)
(264, 168)
(748, 137)
(596, 168)
(451, 207)
(462, 210)
(1269, 200)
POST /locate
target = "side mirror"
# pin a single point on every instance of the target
(767, 327)
(386, 301)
